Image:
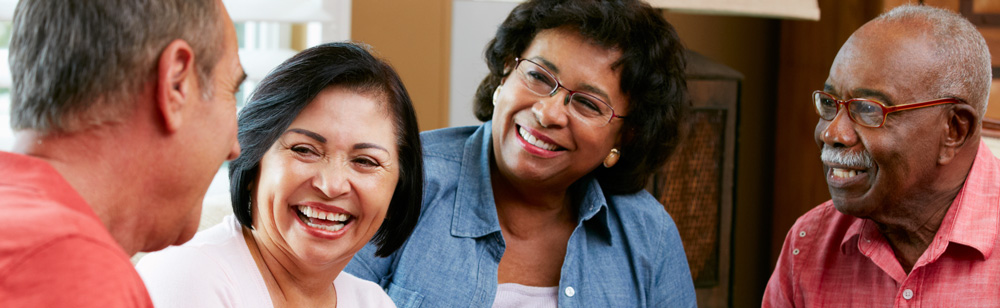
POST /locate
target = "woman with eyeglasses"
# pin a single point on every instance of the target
(543, 204)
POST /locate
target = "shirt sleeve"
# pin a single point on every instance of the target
(73, 272)
(673, 286)
(367, 266)
(779, 291)
(186, 277)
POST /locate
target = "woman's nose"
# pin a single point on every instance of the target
(551, 111)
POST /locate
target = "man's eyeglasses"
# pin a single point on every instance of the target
(585, 107)
(865, 112)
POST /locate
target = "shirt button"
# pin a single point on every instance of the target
(570, 291)
(907, 294)
(795, 252)
(802, 234)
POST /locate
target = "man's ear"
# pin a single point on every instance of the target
(960, 127)
(176, 80)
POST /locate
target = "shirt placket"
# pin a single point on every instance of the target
(569, 288)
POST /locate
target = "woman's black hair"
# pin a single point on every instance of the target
(652, 74)
(290, 87)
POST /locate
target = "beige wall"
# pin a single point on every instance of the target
(414, 36)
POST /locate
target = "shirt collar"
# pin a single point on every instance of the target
(972, 220)
(853, 235)
(475, 211)
(973, 217)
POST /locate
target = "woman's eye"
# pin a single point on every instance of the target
(366, 162)
(304, 150)
(540, 77)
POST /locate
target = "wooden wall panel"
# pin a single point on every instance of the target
(993, 107)
(952, 5)
(807, 51)
(984, 6)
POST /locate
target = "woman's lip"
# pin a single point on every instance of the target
(539, 136)
(320, 233)
(324, 207)
(531, 148)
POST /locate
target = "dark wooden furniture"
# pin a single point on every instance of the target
(696, 185)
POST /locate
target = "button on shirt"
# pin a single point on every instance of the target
(834, 260)
(624, 252)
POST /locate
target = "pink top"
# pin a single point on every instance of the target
(834, 260)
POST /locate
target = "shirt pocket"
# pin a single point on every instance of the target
(404, 298)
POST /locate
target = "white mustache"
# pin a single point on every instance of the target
(844, 157)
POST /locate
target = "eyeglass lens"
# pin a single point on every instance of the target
(584, 106)
(864, 112)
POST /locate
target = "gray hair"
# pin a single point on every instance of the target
(77, 64)
(961, 48)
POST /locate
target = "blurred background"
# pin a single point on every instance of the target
(753, 65)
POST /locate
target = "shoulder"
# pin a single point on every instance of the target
(446, 143)
(33, 224)
(356, 292)
(87, 272)
(653, 238)
(642, 210)
(208, 270)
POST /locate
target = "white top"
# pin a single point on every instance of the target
(215, 269)
(517, 295)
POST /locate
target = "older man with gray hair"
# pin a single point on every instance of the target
(913, 219)
(123, 111)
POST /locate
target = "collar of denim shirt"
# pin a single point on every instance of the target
(475, 212)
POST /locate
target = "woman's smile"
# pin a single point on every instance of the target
(538, 145)
(317, 216)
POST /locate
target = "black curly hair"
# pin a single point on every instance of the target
(652, 74)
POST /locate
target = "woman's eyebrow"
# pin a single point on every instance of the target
(366, 145)
(308, 133)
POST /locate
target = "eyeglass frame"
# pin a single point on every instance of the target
(885, 109)
(569, 93)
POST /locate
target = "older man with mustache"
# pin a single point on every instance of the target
(913, 219)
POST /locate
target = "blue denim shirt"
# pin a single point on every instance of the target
(624, 252)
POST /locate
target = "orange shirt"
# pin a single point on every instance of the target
(54, 250)
(834, 260)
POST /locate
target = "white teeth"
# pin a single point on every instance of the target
(317, 214)
(333, 227)
(534, 141)
(844, 173)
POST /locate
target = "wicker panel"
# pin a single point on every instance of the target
(689, 188)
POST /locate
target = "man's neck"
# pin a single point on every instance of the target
(101, 169)
(917, 219)
(909, 239)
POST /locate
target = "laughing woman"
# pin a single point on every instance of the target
(331, 158)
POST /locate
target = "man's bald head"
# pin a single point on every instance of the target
(964, 66)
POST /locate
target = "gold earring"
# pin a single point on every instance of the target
(496, 93)
(612, 158)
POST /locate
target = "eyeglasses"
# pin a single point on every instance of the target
(865, 112)
(586, 107)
